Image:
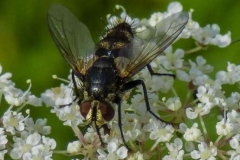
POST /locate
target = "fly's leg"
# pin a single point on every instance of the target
(158, 74)
(99, 134)
(76, 90)
(135, 83)
(105, 128)
(118, 102)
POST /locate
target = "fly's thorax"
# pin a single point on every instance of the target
(99, 112)
(102, 79)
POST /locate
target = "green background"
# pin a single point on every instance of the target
(28, 51)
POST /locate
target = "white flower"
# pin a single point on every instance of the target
(35, 101)
(204, 35)
(159, 133)
(198, 69)
(175, 152)
(173, 104)
(155, 18)
(224, 128)
(22, 146)
(222, 40)
(175, 7)
(138, 104)
(90, 135)
(200, 109)
(155, 83)
(132, 125)
(161, 83)
(210, 35)
(39, 126)
(4, 82)
(49, 143)
(171, 60)
(205, 152)
(133, 134)
(13, 121)
(234, 118)
(231, 76)
(3, 137)
(136, 156)
(57, 96)
(209, 96)
(193, 113)
(32, 146)
(233, 100)
(69, 114)
(190, 27)
(191, 134)
(182, 75)
(113, 152)
(74, 147)
(17, 97)
(234, 143)
(42, 150)
(3, 142)
(14, 96)
(2, 154)
(206, 95)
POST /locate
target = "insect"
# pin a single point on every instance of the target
(107, 74)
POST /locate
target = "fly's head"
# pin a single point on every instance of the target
(98, 112)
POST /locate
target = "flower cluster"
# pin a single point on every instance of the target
(20, 136)
(145, 135)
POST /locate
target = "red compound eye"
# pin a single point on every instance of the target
(107, 111)
(84, 108)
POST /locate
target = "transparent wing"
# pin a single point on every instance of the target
(72, 38)
(143, 49)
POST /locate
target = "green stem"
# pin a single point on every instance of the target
(204, 127)
(198, 48)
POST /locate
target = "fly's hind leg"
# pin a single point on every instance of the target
(149, 67)
(135, 83)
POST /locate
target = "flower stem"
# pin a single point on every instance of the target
(79, 134)
(204, 127)
(198, 48)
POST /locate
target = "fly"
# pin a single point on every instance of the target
(106, 69)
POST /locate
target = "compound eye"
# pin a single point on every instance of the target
(107, 111)
(84, 108)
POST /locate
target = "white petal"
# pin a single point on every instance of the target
(122, 152)
(175, 7)
(33, 139)
(195, 154)
(112, 147)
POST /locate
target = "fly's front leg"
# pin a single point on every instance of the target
(158, 74)
(99, 134)
(76, 90)
(105, 128)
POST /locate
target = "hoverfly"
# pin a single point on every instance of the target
(119, 55)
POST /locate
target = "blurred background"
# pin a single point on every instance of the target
(28, 51)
